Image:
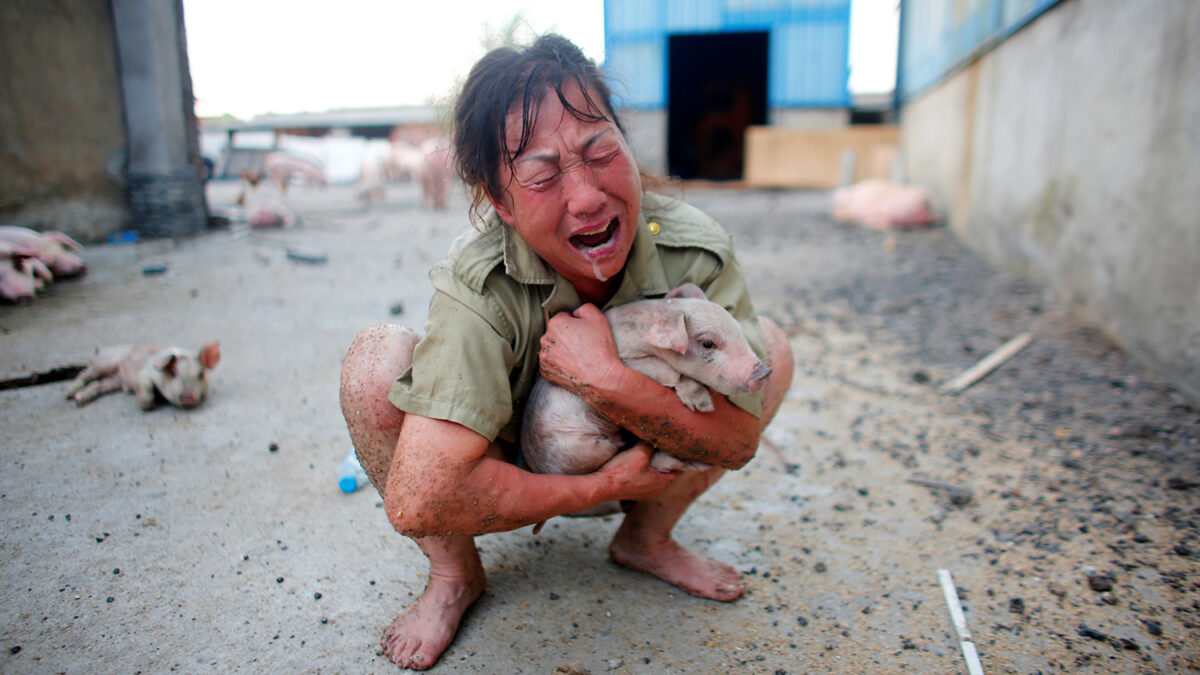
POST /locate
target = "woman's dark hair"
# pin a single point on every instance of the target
(509, 77)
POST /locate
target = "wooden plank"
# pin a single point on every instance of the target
(987, 364)
(814, 158)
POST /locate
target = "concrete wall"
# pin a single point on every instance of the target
(163, 171)
(1070, 153)
(62, 136)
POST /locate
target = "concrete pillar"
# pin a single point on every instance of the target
(166, 192)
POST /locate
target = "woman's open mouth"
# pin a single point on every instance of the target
(597, 239)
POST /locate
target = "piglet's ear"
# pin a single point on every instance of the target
(669, 332)
(688, 290)
(210, 355)
(167, 365)
(63, 239)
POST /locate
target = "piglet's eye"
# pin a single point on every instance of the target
(708, 344)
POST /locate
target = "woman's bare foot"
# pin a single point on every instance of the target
(667, 560)
(417, 638)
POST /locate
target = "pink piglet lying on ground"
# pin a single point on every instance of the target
(21, 274)
(682, 341)
(150, 372)
(884, 205)
(52, 248)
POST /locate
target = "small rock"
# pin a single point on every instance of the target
(820, 568)
(396, 309)
(273, 447)
(307, 257)
(1092, 634)
(613, 664)
(1016, 606)
(1152, 627)
(1100, 583)
(1183, 549)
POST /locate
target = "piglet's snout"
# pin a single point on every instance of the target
(759, 379)
(755, 378)
(188, 399)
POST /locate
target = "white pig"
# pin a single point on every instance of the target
(49, 247)
(282, 167)
(150, 372)
(883, 205)
(682, 341)
(436, 172)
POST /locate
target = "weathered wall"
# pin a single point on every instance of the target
(62, 135)
(1070, 154)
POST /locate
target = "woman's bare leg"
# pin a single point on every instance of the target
(419, 636)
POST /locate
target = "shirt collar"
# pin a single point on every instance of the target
(644, 275)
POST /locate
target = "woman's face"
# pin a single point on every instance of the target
(574, 194)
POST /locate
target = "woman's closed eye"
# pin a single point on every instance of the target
(538, 179)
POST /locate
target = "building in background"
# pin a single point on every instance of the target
(97, 120)
(691, 76)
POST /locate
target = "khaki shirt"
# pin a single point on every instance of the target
(493, 294)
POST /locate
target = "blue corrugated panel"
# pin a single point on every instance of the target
(939, 37)
(809, 45)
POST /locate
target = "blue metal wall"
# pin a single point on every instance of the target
(809, 46)
(938, 37)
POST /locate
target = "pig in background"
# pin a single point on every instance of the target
(262, 205)
(149, 372)
(29, 260)
(283, 168)
(421, 157)
(884, 205)
(682, 341)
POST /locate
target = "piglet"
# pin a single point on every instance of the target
(17, 280)
(150, 372)
(52, 248)
(682, 341)
(883, 205)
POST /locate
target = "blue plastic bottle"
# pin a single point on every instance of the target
(350, 473)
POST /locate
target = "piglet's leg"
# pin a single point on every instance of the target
(144, 390)
(96, 388)
(694, 395)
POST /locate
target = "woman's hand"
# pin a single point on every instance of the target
(632, 476)
(578, 349)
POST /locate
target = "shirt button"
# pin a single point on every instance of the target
(654, 227)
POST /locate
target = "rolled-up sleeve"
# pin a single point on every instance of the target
(460, 371)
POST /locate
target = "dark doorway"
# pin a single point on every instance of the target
(716, 87)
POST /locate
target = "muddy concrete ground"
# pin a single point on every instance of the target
(215, 540)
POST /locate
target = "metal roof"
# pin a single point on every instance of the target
(345, 118)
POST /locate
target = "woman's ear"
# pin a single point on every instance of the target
(501, 206)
